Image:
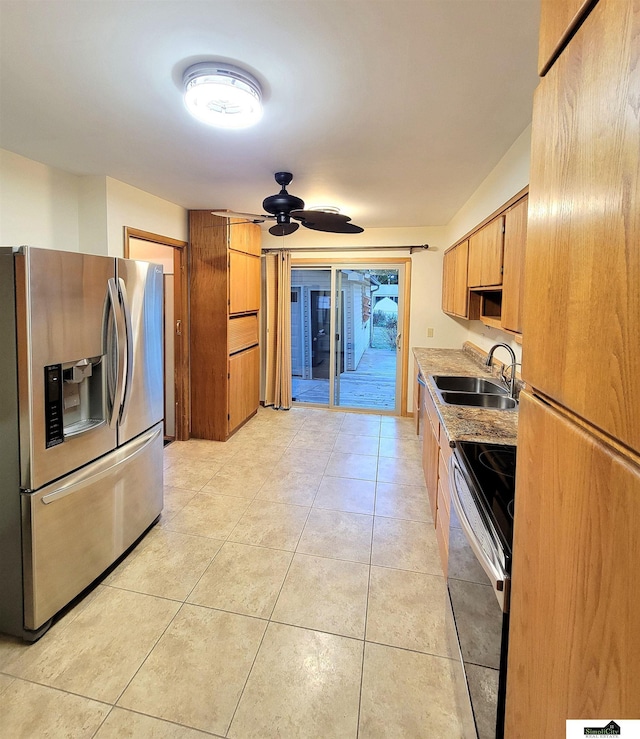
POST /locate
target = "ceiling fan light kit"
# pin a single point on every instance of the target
(222, 95)
(282, 207)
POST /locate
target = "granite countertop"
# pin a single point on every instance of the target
(464, 423)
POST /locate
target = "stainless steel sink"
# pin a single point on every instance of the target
(479, 400)
(468, 384)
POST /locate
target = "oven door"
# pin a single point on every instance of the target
(478, 585)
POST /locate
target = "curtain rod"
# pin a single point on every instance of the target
(421, 247)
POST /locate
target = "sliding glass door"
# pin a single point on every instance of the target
(346, 336)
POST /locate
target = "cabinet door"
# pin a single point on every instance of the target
(515, 240)
(244, 282)
(455, 294)
(245, 237)
(558, 20)
(244, 386)
(582, 272)
(430, 452)
(448, 278)
(574, 638)
(460, 291)
(485, 254)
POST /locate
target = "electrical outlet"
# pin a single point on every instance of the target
(429, 333)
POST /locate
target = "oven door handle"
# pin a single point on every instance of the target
(499, 579)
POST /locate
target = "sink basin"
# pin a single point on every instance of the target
(479, 400)
(468, 384)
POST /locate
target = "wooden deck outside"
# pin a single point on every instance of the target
(372, 385)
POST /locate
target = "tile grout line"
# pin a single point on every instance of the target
(366, 613)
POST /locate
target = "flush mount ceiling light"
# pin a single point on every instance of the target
(222, 95)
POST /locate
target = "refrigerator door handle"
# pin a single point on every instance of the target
(126, 394)
(114, 301)
(81, 479)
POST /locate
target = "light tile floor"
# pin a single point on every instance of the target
(292, 588)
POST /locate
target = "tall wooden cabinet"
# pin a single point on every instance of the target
(224, 300)
(575, 632)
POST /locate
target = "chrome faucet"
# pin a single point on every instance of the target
(511, 383)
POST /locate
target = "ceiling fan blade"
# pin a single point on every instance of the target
(318, 217)
(247, 216)
(319, 220)
(284, 229)
(336, 227)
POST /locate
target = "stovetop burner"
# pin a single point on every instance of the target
(492, 468)
(502, 461)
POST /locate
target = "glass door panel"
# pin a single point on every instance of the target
(366, 339)
(311, 335)
(346, 337)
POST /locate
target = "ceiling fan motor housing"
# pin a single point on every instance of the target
(283, 203)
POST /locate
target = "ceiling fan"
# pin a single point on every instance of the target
(282, 207)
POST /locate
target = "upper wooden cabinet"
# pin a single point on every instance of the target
(582, 295)
(515, 239)
(559, 19)
(244, 282)
(247, 240)
(485, 254)
(225, 299)
(455, 293)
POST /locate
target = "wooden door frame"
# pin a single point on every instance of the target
(374, 262)
(181, 322)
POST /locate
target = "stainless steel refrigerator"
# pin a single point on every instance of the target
(81, 432)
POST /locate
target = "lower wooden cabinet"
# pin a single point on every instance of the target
(574, 640)
(244, 386)
(435, 458)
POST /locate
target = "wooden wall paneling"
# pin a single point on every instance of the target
(244, 386)
(515, 240)
(559, 19)
(575, 633)
(582, 270)
(208, 330)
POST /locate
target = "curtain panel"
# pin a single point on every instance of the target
(278, 330)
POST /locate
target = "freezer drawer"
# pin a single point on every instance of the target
(75, 528)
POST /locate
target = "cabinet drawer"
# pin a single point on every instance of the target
(243, 333)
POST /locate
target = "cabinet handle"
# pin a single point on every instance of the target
(179, 327)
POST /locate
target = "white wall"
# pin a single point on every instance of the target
(46, 207)
(507, 178)
(129, 206)
(38, 204)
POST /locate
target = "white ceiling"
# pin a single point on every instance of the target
(394, 110)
